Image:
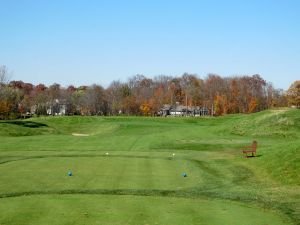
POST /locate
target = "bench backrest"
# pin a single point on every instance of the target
(254, 145)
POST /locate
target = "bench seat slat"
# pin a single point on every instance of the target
(250, 149)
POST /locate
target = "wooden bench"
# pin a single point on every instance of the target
(250, 149)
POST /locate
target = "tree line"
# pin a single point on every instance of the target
(140, 95)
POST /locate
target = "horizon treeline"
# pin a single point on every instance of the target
(140, 95)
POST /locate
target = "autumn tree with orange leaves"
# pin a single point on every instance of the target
(144, 96)
(293, 94)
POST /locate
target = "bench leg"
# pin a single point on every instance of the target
(245, 154)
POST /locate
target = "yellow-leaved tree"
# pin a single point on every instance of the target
(293, 94)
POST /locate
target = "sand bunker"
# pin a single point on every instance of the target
(80, 135)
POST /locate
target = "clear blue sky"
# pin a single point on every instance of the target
(85, 42)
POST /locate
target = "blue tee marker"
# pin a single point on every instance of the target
(70, 173)
(184, 174)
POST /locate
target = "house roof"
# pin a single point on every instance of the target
(181, 108)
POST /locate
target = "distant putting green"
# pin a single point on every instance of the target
(129, 170)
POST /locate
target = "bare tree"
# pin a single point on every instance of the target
(94, 100)
(114, 97)
(54, 98)
(4, 77)
(40, 99)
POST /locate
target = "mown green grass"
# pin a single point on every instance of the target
(122, 210)
(97, 173)
(139, 181)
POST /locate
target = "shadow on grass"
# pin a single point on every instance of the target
(253, 156)
(29, 124)
(15, 159)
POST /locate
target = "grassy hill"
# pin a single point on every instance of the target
(128, 170)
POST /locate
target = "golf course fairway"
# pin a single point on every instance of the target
(130, 170)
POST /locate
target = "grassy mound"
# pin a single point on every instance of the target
(23, 128)
(271, 123)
